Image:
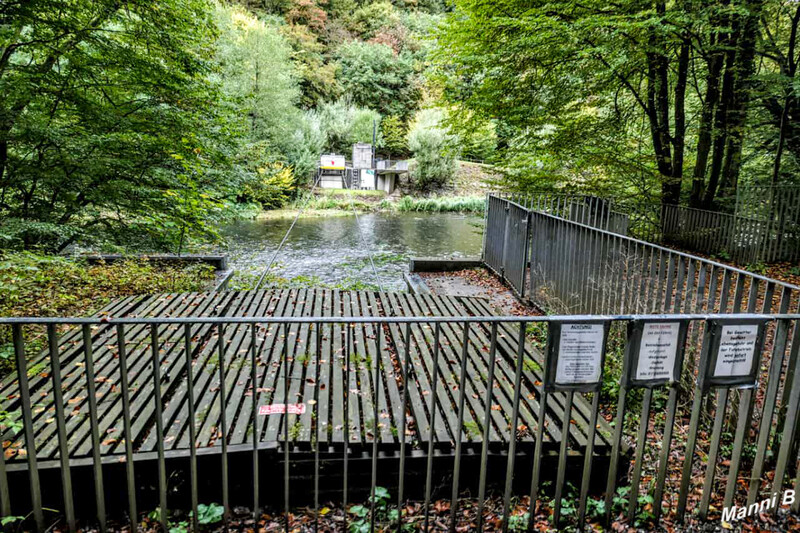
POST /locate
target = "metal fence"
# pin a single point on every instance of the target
(743, 239)
(765, 226)
(574, 365)
(507, 234)
(577, 268)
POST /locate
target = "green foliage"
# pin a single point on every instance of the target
(376, 78)
(37, 285)
(361, 523)
(395, 135)
(271, 186)
(435, 150)
(344, 124)
(368, 19)
(209, 514)
(256, 72)
(107, 109)
(443, 204)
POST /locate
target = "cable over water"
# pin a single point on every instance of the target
(286, 236)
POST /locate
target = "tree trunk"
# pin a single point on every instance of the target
(710, 102)
(745, 67)
(721, 116)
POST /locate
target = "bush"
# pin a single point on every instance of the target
(376, 78)
(272, 187)
(435, 150)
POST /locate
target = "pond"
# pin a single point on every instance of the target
(329, 250)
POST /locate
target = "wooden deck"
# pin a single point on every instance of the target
(318, 380)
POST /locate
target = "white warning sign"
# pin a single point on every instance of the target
(737, 347)
(657, 351)
(580, 354)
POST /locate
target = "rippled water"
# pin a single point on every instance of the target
(331, 251)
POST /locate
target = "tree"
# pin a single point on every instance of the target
(374, 77)
(599, 86)
(395, 135)
(256, 73)
(107, 117)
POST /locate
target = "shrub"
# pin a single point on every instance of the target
(435, 150)
(271, 186)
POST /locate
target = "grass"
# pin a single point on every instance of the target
(332, 203)
(344, 193)
(440, 204)
(46, 285)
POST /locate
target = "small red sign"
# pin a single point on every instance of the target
(280, 408)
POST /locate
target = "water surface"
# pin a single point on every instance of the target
(331, 251)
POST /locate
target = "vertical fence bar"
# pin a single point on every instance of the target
(375, 429)
(318, 354)
(512, 440)
(27, 419)
(459, 430)
(63, 445)
(587, 460)
(126, 421)
(345, 391)
(432, 432)
(537, 454)
(403, 421)
(694, 423)
(641, 442)
(92, 393)
(611, 484)
(713, 451)
(187, 340)
(562, 459)
(487, 410)
(223, 429)
(663, 460)
(786, 450)
(162, 471)
(771, 394)
(5, 497)
(286, 502)
(254, 417)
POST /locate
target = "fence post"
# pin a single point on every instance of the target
(504, 253)
(525, 258)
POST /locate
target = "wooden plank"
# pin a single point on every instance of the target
(355, 362)
(504, 376)
(392, 373)
(475, 386)
(479, 307)
(106, 370)
(417, 380)
(422, 360)
(416, 420)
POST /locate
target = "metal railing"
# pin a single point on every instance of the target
(508, 228)
(135, 355)
(577, 268)
(744, 239)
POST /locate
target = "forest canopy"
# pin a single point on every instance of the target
(674, 102)
(146, 124)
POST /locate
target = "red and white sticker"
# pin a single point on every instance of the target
(280, 408)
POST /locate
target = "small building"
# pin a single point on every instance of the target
(363, 172)
(332, 171)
